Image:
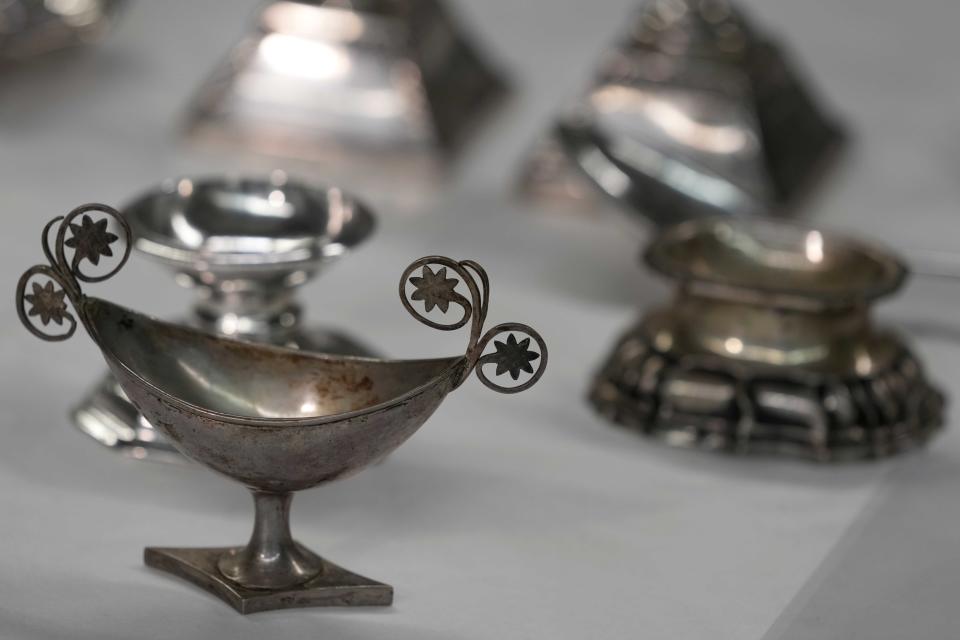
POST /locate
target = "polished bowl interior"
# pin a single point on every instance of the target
(754, 254)
(272, 418)
(246, 222)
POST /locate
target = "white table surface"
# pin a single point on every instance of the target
(506, 517)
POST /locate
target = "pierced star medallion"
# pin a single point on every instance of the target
(435, 289)
(48, 303)
(513, 357)
(90, 240)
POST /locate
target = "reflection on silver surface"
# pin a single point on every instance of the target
(244, 246)
(694, 114)
(319, 80)
(32, 27)
(768, 346)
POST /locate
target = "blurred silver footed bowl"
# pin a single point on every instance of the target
(276, 420)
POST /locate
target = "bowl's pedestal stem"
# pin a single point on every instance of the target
(272, 571)
(271, 560)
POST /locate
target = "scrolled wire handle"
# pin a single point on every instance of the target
(435, 289)
(90, 240)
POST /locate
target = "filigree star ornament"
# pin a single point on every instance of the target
(48, 303)
(90, 240)
(435, 289)
(513, 356)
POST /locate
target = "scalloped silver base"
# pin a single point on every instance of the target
(712, 404)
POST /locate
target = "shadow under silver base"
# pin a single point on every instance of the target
(334, 587)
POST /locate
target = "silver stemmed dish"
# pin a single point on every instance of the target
(245, 246)
(768, 345)
(276, 420)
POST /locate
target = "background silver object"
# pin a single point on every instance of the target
(694, 113)
(276, 420)
(768, 346)
(33, 27)
(390, 85)
(245, 246)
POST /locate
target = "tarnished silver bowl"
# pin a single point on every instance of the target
(245, 246)
(768, 345)
(276, 420)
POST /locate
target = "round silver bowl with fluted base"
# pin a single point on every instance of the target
(768, 346)
(245, 246)
(275, 420)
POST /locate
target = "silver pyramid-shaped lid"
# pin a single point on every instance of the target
(29, 28)
(694, 113)
(322, 80)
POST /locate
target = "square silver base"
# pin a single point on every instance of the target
(334, 587)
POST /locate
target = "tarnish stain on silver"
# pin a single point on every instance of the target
(768, 347)
(273, 419)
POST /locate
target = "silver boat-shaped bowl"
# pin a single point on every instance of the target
(276, 420)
